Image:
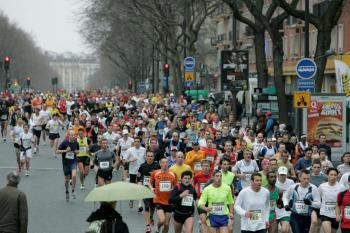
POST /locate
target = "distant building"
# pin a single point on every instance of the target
(73, 71)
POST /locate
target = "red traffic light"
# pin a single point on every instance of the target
(29, 78)
(129, 82)
(7, 58)
(166, 66)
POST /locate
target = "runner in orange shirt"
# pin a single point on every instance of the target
(194, 158)
(163, 181)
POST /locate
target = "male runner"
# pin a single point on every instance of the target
(105, 161)
(26, 139)
(83, 157)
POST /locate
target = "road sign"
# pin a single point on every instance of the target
(141, 87)
(302, 99)
(189, 63)
(189, 76)
(306, 85)
(189, 83)
(306, 68)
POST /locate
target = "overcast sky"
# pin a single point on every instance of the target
(52, 23)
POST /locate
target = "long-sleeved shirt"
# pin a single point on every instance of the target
(297, 195)
(256, 202)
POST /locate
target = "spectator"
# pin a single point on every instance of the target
(323, 145)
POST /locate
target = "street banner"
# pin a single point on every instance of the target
(327, 115)
(342, 72)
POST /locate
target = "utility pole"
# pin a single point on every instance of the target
(234, 47)
(307, 12)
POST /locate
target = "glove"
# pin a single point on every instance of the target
(287, 208)
(307, 201)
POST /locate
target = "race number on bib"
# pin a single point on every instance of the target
(272, 204)
(104, 165)
(301, 208)
(197, 166)
(187, 201)
(347, 212)
(82, 149)
(257, 216)
(210, 158)
(330, 207)
(164, 186)
(218, 208)
(70, 155)
(145, 180)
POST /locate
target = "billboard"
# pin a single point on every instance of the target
(234, 69)
(327, 115)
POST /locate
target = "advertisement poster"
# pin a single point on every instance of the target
(326, 115)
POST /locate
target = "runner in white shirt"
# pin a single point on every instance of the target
(36, 122)
(25, 140)
(258, 145)
(328, 193)
(245, 168)
(255, 211)
(15, 135)
(123, 145)
(54, 133)
(111, 137)
(283, 184)
(135, 156)
(46, 116)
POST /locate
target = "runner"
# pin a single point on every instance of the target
(300, 198)
(46, 116)
(123, 145)
(199, 182)
(194, 158)
(144, 174)
(36, 122)
(179, 167)
(69, 149)
(54, 128)
(283, 183)
(328, 193)
(245, 168)
(111, 137)
(343, 209)
(83, 157)
(4, 117)
(275, 201)
(16, 132)
(162, 182)
(220, 203)
(211, 153)
(135, 156)
(183, 198)
(254, 212)
(25, 140)
(105, 161)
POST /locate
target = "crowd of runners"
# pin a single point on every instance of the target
(194, 155)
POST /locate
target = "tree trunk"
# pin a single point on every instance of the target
(279, 80)
(177, 79)
(323, 44)
(261, 65)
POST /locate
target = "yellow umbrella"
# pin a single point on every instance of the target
(119, 191)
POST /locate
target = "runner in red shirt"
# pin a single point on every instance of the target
(211, 154)
(199, 182)
(343, 209)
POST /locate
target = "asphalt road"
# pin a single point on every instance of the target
(48, 210)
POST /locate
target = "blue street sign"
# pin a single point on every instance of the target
(189, 63)
(306, 85)
(189, 83)
(306, 68)
(142, 87)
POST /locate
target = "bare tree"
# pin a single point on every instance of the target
(324, 23)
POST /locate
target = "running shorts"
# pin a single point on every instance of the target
(53, 136)
(69, 167)
(84, 159)
(334, 223)
(165, 208)
(217, 221)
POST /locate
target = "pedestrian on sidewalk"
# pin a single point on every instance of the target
(14, 209)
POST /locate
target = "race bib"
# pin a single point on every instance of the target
(146, 180)
(96, 129)
(82, 149)
(104, 165)
(301, 208)
(164, 186)
(247, 176)
(330, 207)
(197, 166)
(70, 155)
(187, 201)
(201, 186)
(347, 212)
(210, 158)
(3, 117)
(257, 216)
(161, 131)
(218, 208)
(272, 205)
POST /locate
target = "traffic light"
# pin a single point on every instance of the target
(166, 69)
(28, 80)
(130, 85)
(7, 61)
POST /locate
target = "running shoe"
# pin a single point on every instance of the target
(73, 195)
(27, 173)
(140, 209)
(82, 187)
(148, 229)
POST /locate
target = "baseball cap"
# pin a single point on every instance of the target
(282, 171)
(125, 131)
